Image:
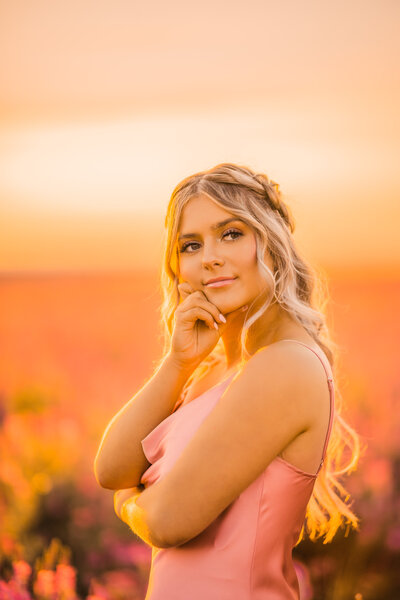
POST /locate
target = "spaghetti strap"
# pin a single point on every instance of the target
(328, 372)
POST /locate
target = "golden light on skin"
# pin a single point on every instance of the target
(232, 247)
(135, 515)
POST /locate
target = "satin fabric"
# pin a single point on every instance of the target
(246, 553)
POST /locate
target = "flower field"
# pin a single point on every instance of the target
(75, 348)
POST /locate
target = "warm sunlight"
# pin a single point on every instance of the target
(105, 107)
(111, 180)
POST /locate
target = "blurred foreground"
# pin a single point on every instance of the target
(75, 348)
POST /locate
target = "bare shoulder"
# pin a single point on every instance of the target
(293, 370)
(298, 357)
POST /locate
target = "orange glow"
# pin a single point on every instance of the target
(104, 112)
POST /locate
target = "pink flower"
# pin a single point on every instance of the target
(45, 584)
(5, 591)
(22, 571)
(13, 591)
(66, 581)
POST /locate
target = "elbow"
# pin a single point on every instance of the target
(100, 480)
(111, 479)
(149, 513)
(163, 534)
(103, 483)
(106, 473)
(158, 540)
(159, 537)
(103, 478)
(98, 470)
(161, 540)
(160, 544)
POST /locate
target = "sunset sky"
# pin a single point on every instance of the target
(106, 106)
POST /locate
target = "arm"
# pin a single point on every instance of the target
(120, 460)
(121, 496)
(272, 401)
(137, 516)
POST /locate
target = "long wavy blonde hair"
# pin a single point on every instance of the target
(298, 288)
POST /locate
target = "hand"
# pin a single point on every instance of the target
(198, 327)
(121, 495)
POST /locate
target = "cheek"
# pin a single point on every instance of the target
(247, 254)
(186, 270)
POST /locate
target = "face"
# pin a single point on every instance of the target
(209, 247)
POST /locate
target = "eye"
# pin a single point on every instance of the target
(186, 245)
(233, 232)
(229, 232)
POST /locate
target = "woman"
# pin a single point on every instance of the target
(222, 458)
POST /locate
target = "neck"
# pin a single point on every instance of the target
(273, 325)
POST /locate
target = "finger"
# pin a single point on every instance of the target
(198, 299)
(185, 289)
(195, 313)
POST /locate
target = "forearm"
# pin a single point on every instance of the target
(120, 461)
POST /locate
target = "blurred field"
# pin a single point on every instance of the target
(75, 348)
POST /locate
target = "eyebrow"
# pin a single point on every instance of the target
(213, 227)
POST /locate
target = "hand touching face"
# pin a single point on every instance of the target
(213, 243)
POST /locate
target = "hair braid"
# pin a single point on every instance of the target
(272, 194)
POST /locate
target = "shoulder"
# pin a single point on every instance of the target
(285, 371)
(293, 359)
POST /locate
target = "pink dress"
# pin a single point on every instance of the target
(246, 553)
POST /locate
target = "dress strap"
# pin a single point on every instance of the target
(328, 372)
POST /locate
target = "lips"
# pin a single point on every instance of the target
(213, 279)
(220, 281)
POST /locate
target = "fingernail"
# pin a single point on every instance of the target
(222, 318)
(216, 326)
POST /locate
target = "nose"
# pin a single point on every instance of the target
(210, 258)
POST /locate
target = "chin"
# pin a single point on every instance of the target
(229, 307)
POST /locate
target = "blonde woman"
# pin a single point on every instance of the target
(231, 452)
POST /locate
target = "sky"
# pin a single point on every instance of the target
(106, 106)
